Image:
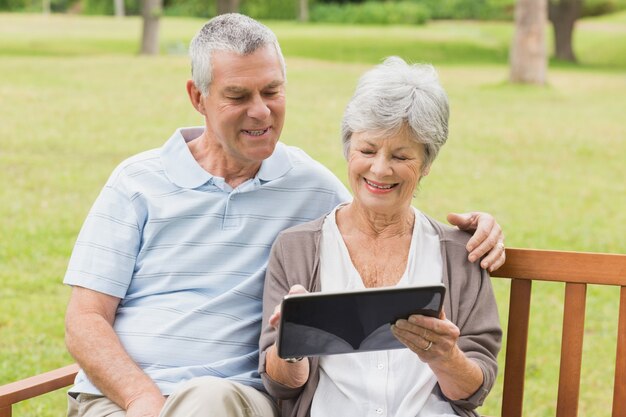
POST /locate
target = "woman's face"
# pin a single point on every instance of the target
(384, 170)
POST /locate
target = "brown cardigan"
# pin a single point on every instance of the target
(469, 303)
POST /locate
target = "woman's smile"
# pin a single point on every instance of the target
(378, 187)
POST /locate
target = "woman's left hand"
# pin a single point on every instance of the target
(432, 339)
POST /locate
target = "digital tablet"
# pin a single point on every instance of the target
(316, 324)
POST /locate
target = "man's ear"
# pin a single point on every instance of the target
(195, 96)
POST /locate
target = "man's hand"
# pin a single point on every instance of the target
(96, 347)
(487, 238)
(146, 406)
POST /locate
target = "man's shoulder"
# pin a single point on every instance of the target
(141, 160)
(303, 162)
(308, 172)
(135, 165)
(152, 160)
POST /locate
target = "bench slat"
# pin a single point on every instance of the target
(549, 265)
(571, 350)
(515, 366)
(619, 389)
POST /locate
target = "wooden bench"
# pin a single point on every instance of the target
(523, 266)
(35, 386)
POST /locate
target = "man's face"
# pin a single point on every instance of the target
(245, 108)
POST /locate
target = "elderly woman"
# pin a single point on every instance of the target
(393, 129)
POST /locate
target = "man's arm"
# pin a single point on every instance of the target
(91, 340)
(487, 238)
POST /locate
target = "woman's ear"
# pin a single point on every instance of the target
(426, 171)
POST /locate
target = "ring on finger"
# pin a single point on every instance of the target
(427, 348)
(500, 245)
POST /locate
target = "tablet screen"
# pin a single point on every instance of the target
(330, 323)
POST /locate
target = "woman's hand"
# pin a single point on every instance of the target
(434, 340)
(430, 338)
(487, 239)
(274, 320)
(291, 374)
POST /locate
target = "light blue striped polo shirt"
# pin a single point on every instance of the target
(187, 254)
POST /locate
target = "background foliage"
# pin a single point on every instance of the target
(547, 162)
(405, 12)
(369, 11)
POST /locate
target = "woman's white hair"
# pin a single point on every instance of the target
(395, 95)
(231, 32)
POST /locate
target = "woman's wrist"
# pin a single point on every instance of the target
(293, 372)
(459, 376)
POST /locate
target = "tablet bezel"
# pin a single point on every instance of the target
(389, 295)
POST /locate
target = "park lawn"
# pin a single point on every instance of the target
(600, 42)
(547, 162)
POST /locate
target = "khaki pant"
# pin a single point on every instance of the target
(199, 397)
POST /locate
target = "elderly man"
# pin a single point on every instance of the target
(168, 269)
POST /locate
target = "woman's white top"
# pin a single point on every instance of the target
(383, 383)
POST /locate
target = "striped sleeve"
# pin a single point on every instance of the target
(105, 252)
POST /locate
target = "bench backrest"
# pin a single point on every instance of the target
(576, 270)
(522, 266)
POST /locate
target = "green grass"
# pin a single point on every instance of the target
(599, 42)
(548, 162)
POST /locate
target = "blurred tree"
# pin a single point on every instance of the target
(227, 6)
(528, 59)
(118, 7)
(563, 15)
(151, 11)
(303, 10)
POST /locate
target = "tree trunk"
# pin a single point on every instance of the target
(227, 6)
(528, 52)
(563, 15)
(45, 6)
(151, 11)
(118, 7)
(303, 10)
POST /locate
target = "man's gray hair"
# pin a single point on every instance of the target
(395, 95)
(232, 32)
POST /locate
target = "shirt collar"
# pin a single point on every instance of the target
(276, 166)
(184, 171)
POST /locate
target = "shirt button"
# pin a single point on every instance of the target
(379, 410)
(380, 366)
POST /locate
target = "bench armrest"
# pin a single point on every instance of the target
(36, 385)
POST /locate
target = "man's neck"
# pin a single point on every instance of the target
(213, 159)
